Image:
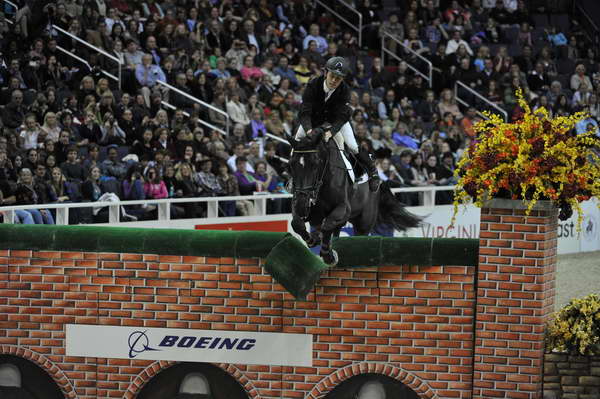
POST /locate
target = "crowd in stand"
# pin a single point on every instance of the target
(71, 133)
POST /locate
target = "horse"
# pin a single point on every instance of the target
(325, 196)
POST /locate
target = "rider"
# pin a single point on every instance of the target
(325, 102)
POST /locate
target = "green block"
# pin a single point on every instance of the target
(294, 266)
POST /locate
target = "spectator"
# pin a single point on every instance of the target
(26, 194)
(321, 42)
(448, 104)
(247, 181)
(455, 42)
(112, 166)
(237, 110)
(186, 187)
(147, 74)
(72, 168)
(30, 135)
(230, 187)
(580, 77)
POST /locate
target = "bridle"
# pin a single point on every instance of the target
(312, 192)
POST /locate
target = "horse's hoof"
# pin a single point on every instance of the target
(314, 240)
(330, 257)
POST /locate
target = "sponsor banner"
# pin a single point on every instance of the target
(186, 345)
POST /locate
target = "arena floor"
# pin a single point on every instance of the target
(577, 275)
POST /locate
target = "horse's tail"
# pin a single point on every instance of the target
(392, 212)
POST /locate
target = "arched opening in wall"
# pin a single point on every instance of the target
(22, 379)
(192, 381)
(371, 386)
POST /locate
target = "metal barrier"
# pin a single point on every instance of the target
(198, 101)
(97, 49)
(10, 3)
(212, 204)
(478, 95)
(384, 50)
(84, 62)
(202, 121)
(358, 28)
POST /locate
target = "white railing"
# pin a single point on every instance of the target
(84, 62)
(384, 50)
(476, 94)
(16, 10)
(358, 28)
(200, 102)
(212, 204)
(97, 49)
(202, 121)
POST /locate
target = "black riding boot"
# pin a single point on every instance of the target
(364, 158)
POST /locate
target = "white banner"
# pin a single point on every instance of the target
(116, 342)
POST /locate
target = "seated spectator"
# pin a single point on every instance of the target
(112, 166)
(31, 133)
(63, 190)
(72, 168)
(50, 128)
(247, 181)
(14, 112)
(112, 134)
(447, 103)
(314, 34)
(282, 69)
(387, 172)
(455, 42)
(147, 74)
(580, 77)
(237, 110)
(249, 69)
(26, 194)
(257, 126)
(302, 71)
(229, 184)
(387, 104)
(208, 180)
(186, 187)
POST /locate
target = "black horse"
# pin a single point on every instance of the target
(325, 196)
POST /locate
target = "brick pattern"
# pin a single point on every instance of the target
(515, 296)
(414, 324)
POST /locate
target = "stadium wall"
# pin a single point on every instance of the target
(411, 319)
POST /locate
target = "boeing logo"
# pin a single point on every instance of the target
(138, 343)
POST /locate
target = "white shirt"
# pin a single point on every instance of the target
(30, 138)
(233, 166)
(328, 91)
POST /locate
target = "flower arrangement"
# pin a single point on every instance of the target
(576, 327)
(534, 158)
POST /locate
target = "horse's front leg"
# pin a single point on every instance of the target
(335, 221)
(313, 238)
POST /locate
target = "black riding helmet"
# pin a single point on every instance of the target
(337, 65)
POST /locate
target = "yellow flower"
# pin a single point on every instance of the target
(536, 157)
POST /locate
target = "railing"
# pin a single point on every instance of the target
(384, 50)
(476, 94)
(358, 28)
(212, 204)
(97, 49)
(202, 121)
(84, 62)
(10, 3)
(200, 102)
(589, 26)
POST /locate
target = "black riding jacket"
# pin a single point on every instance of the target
(315, 112)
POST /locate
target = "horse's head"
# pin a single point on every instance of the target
(307, 166)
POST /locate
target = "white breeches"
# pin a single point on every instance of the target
(344, 136)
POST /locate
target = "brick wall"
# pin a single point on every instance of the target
(515, 297)
(411, 323)
(571, 377)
